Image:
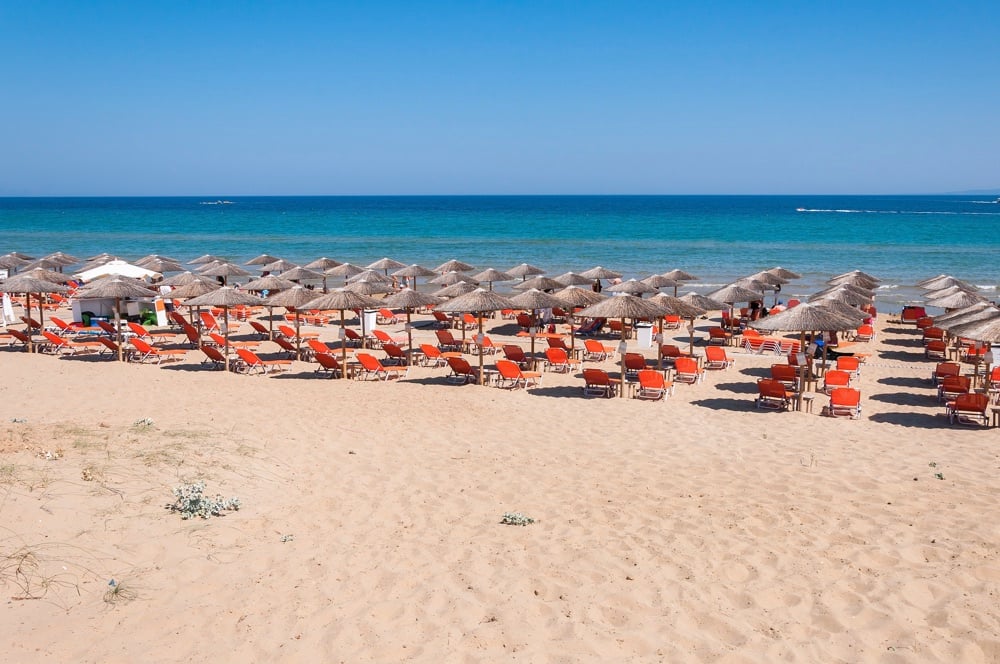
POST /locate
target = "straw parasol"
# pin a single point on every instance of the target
(753, 284)
(939, 293)
(845, 287)
(946, 282)
(956, 300)
(986, 331)
(12, 262)
(271, 282)
(966, 318)
(263, 259)
(623, 306)
(46, 264)
(461, 288)
(601, 273)
(454, 266)
(572, 279)
(322, 263)
(162, 265)
(659, 281)
(453, 277)
(370, 276)
(294, 297)
(386, 264)
(409, 299)
(539, 283)
(26, 284)
(857, 273)
(411, 272)
(535, 299)
(118, 288)
(195, 288)
(702, 302)
(525, 270)
(845, 295)
(369, 287)
(181, 279)
(490, 275)
(224, 270)
(341, 300)
(841, 308)
(345, 271)
(732, 294)
(783, 273)
(972, 308)
(573, 296)
(675, 306)
(299, 273)
(855, 280)
(768, 278)
(47, 275)
(477, 302)
(679, 275)
(632, 287)
(278, 266)
(201, 260)
(224, 297)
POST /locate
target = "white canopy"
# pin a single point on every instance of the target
(117, 267)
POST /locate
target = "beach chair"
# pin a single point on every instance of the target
(60, 345)
(787, 375)
(372, 367)
(924, 322)
(597, 383)
(556, 359)
(912, 314)
(283, 342)
(995, 379)
(516, 354)
(968, 408)
(595, 351)
(352, 338)
(512, 377)
(192, 334)
(864, 333)
(328, 364)
(146, 351)
(461, 371)
(487, 347)
(209, 322)
(670, 353)
(616, 329)
(260, 329)
(634, 363)
(109, 329)
(441, 319)
(219, 341)
(468, 321)
(177, 319)
(149, 337)
(33, 325)
(318, 347)
(110, 346)
(933, 334)
(772, 394)
(686, 370)
(850, 364)
(18, 338)
(386, 317)
(382, 338)
(558, 342)
(524, 321)
(289, 333)
(431, 356)
(62, 328)
(718, 336)
(944, 369)
(653, 386)
(213, 357)
(845, 402)
(250, 363)
(951, 386)
(936, 349)
(394, 354)
(446, 342)
(834, 379)
(671, 322)
(716, 358)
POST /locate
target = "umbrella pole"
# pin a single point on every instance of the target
(409, 337)
(41, 314)
(480, 314)
(298, 337)
(225, 321)
(270, 323)
(533, 335)
(118, 329)
(27, 308)
(691, 333)
(343, 347)
(621, 358)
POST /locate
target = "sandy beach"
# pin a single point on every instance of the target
(697, 529)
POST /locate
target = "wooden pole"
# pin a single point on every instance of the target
(343, 347)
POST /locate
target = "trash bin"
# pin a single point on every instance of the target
(370, 321)
(644, 335)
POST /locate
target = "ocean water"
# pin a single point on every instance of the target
(900, 239)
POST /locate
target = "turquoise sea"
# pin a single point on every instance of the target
(900, 239)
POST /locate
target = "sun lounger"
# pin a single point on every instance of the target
(372, 367)
(512, 377)
(146, 351)
(969, 408)
(250, 363)
(653, 386)
(61, 345)
(328, 364)
(461, 371)
(772, 394)
(556, 359)
(716, 358)
(845, 402)
(686, 370)
(598, 383)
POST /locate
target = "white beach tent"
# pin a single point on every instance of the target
(118, 267)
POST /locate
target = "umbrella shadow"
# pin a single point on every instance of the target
(908, 343)
(737, 388)
(919, 420)
(900, 356)
(904, 381)
(902, 398)
(187, 366)
(561, 391)
(756, 372)
(741, 405)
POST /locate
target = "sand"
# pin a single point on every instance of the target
(698, 529)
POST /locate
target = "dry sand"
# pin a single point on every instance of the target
(693, 530)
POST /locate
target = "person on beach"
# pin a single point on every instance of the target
(597, 288)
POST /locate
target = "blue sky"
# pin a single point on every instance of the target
(254, 98)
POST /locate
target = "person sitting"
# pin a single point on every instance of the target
(591, 328)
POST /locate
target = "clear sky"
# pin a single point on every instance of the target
(504, 97)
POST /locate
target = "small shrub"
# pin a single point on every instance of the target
(118, 591)
(515, 519)
(191, 502)
(143, 423)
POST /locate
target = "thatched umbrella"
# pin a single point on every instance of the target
(939, 293)
(731, 294)
(573, 296)
(845, 287)
(675, 306)
(162, 265)
(118, 288)
(632, 287)
(297, 296)
(322, 263)
(854, 280)
(370, 276)
(525, 270)
(946, 282)
(842, 295)
(452, 278)
(47, 275)
(702, 302)
(192, 289)
(11, 262)
(301, 273)
(535, 299)
(490, 275)
(409, 299)
(857, 273)
(278, 266)
(23, 283)
(572, 279)
(269, 283)
(783, 273)
(841, 308)
(461, 288)
(956, 300)
(680, 275)
(453, 266)
(659, 281)
(263, 259)
(957, 313)
(477, 302)
(966, 318)
(386, 264)
(341, 300)
(224, 270)
(411, 272)
(925, 282)
(203, 260)
(598, 273)
(182, 279)
(46, 264)
(986, 331)
(345, 271)
(539, 283)
(623, 306)
(224, 297)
